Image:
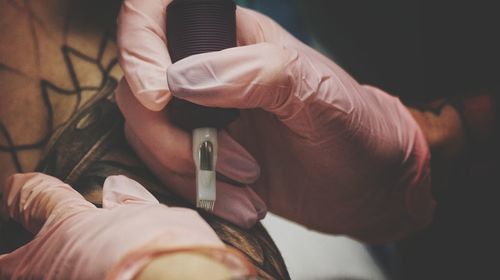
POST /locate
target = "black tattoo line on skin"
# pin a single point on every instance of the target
(6, 68)
(46, 85)
(13, 152)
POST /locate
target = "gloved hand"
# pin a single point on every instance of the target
(334, 155)
(76, 240)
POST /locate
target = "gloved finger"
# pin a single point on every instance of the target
(142, 45)
(119, 189)
(255, 76)
(253, 27)
(173, 146)
(240, 205)
(142, 50)
(234, 161)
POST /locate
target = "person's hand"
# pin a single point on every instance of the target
(72, 234)
(334, 155)
(165, 148)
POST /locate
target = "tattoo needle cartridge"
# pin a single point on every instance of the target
(205, 158)
(194, 27)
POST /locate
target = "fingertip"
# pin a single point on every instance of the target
(253, 27)
(248, 29)
(241, 206)
(154, 100)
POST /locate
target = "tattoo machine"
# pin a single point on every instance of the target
(194, 27)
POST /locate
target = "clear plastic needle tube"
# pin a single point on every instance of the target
(205, 158)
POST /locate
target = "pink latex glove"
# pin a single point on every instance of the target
(76, 240)
(334, 155)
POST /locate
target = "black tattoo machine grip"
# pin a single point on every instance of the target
(194, 27)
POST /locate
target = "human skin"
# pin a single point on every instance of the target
(54, 57)
(48, 41)
(196, 267)
(50, 67)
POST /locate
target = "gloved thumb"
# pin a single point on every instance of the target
(254, 76)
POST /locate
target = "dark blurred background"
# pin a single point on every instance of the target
(415, 49)
(420, 51)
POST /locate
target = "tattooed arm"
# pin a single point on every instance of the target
(54, 56)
